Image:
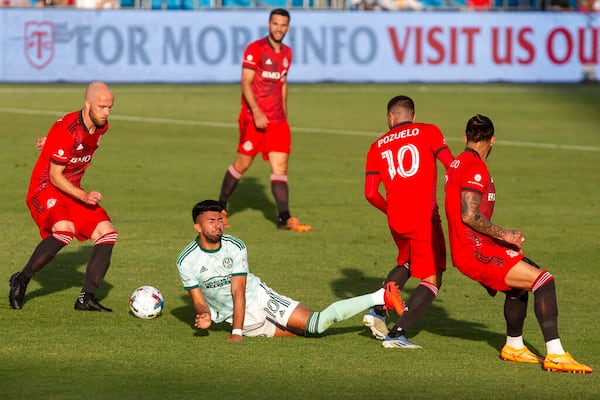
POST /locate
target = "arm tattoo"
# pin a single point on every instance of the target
(471, 216)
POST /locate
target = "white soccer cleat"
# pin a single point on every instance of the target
(377, 324)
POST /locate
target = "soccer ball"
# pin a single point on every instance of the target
(146, 302)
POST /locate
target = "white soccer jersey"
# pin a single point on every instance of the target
(211, 271)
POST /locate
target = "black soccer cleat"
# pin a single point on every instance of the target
(87, 302)
(17, 291)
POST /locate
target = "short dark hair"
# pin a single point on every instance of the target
(280, 11)
(204, 206)
(479, 128)
(401, 101)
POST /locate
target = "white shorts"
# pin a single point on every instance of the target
(269, 310)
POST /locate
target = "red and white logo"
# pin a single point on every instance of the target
(39, 43)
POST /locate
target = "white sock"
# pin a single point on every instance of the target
(554, 347)
(516, 342)
(378, 297)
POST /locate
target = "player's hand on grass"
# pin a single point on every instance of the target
(235, 338)
(202, 320)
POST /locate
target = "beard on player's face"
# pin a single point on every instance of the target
(99, 122)
(277, 38)
(214, 236)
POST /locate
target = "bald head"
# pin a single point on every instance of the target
(98, 102)
(97, 90)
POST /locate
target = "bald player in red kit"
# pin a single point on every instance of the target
(404, 161)
(60, 207)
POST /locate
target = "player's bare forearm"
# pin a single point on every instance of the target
(59, 181)
(238, 294)
(202, 320)
(471, 216)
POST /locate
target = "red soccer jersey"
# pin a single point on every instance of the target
(271, 71)
(404, 160)
(468, 172)
(68, 143)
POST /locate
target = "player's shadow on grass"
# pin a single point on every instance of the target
(63, 273)
(251, 194)
(437, 321)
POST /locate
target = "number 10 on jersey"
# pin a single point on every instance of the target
(396, 166)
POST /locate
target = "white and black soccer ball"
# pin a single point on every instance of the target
(146, 302)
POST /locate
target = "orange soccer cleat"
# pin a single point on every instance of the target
(523, 355)
(392, 299)
(226, 223)
(293, 224)
(565, 363)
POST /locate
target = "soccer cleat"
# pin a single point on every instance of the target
(16, 294)
(293, 224)
(400, 342)
(523, 355)
(226, 223)
(565, 363)
(392, 299)
(87, 302)
(376, 323)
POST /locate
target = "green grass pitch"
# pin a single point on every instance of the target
(169, 146)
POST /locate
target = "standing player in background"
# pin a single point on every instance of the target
(492, 255)
(214, 270)
(60, 207)
(404, 160)
(263, 121)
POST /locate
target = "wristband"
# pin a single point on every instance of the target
(236, 332)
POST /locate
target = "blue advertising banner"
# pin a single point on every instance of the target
(74, 45)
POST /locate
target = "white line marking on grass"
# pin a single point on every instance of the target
(341, 132)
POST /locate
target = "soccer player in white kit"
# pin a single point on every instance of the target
(214, 271)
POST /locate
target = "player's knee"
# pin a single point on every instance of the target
(236, 170)
(433, 288)
(107, 238)
(64, 237)
(279, 178)
(63, 226)
(544, 280)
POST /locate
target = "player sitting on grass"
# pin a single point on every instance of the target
(214, 271)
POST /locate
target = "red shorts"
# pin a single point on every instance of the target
(50, 205)
(425, 249)
(487, 264)
(275, 137)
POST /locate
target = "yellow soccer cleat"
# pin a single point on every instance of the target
(565, 363)
(293, 224)
(523, 355)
